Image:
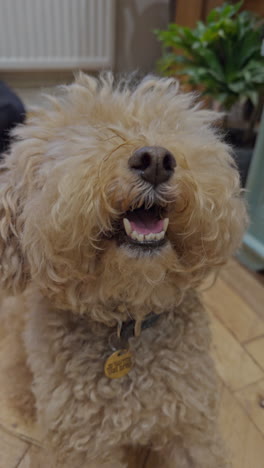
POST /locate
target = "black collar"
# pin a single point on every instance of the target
(127, 330)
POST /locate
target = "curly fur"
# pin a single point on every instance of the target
(63, 187)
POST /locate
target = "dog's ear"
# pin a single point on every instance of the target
(13, 274)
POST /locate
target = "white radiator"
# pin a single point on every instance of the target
(56, 34)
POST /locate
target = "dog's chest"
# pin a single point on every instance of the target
(68, 361)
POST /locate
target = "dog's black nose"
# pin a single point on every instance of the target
(153, 163)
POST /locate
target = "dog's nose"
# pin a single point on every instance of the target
(154, 164)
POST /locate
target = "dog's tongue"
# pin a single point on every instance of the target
(145, 222)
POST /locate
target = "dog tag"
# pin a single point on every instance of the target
(118, 364)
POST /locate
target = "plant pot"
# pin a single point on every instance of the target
(242, 151)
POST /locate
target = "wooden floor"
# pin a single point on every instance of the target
(236, 307)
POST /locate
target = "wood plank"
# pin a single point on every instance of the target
(252, 399)
(233, 312)
(243, 440)
(34, 458)
(234, 365)
(12, 450)
(188, 15)
(244, 283)
(256, 349)
(37, 458)
(27, 460)
(25, 463)
(256, 6)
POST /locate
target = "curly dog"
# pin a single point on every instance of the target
(116, 202)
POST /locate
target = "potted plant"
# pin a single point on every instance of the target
(222, 58)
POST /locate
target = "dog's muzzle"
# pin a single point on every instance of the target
(144, 227)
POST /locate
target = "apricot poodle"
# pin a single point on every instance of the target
(116, 201)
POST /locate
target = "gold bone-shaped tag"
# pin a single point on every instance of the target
(118, 364)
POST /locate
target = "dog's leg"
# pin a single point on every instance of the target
(127, 457)
(172, 456)
(46, 459)
(17, 381)
(105, 464)
(179, 455)
(113, 459)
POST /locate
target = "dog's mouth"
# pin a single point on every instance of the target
(144, 227)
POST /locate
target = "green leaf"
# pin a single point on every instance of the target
(228, 10)
(222, 55)
(223, 97)
(200, 28)
(211, 60)
(212, 16)
(247, 75)
(258, 78)
(229, 65)
(248, 48)
(237, 6)
(188, 35)
(238, 86)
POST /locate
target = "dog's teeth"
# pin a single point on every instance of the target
(127, 226)
(160, 235)
(134, 235)
(147, 237)
(165, 224)
(150, 237)
(137, 236)
(156, 237)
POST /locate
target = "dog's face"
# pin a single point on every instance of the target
(118, 194)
